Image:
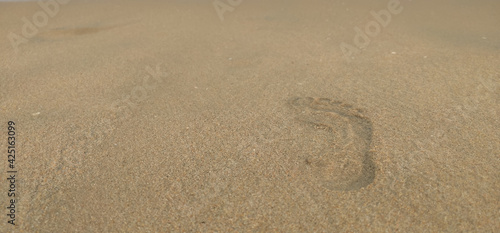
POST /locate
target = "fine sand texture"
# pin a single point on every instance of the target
(251, 116)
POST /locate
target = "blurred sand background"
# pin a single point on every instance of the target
(225, 139)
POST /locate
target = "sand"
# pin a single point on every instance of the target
(165, 116)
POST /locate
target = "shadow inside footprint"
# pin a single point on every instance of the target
(346, 163)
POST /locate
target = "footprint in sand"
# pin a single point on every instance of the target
(344, 161)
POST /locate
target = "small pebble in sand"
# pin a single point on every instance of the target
(36, 114)
(393, 52)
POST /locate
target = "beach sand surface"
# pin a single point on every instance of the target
(158, 116)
